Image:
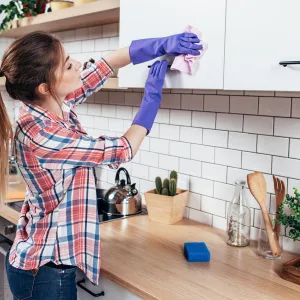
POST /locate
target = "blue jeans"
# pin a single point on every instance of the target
(50, 283)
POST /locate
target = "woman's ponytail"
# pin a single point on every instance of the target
(5, 137)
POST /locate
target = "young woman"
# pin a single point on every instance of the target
(58, 227)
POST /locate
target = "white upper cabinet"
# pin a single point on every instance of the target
(158, 18)
(259, 35)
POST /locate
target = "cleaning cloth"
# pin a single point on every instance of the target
(188, 63)
(196, 252)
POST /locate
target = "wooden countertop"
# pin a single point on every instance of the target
(147, 259)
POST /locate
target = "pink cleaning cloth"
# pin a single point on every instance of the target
(188, 63)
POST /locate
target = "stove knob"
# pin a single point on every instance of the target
(9, 229)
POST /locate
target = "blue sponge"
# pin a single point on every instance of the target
(196, 252)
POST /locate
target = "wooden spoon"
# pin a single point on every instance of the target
(258, 188)
(279, 188)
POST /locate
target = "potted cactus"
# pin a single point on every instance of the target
(166, 203)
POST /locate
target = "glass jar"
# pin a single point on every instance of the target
(239, 217)
(263, 245)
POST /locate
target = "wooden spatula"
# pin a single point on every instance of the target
(258, 188)
(279, 188)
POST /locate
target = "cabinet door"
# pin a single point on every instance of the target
(260, 34)
(157, 18)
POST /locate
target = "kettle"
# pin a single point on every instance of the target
(122, 199)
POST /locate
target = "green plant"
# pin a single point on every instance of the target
(291, 219)
(172, 187)
(169, 186)
(18, 10)
(158, 185)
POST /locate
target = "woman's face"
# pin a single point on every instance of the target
(70, 79)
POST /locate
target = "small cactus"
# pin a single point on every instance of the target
(158, 185)
(174, 175)
(172, 187)
(166, 183)
(165, 192)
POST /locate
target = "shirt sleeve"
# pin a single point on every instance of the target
(60, 148)
(93, 78)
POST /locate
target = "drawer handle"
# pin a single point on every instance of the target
(79, 283)
(292, 62)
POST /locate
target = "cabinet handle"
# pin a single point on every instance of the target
(292, 62)
(79, 283)
(169, 66)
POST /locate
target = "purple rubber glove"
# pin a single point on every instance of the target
(147, 49)
(152, 95)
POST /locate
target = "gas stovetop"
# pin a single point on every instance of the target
(103, 217)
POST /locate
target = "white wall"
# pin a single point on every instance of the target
(211, 137)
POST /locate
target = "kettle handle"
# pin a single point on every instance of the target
(118, 176)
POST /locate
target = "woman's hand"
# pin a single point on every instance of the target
(147, 49)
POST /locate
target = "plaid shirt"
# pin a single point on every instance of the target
(59, 218)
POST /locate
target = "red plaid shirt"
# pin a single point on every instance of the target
(59, 218)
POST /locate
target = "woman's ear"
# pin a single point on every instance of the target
(43, 89)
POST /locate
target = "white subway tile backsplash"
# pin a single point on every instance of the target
(213, 206)
(273, 145)
(159, 145)
(163, 116)
(192, 102)
(168, 162)
(109, 111)
(257, 124)
(200, 216)
(216, 138)
(204, 119)
(295, 148)
(154, 130)
(124, 112)
(286, 167)
(219, 223)
(93, 109)
(101, 44)
(287, 127)
(275, 106)
(145, 145)
(292, 183)
(113, 43)
(244, 105)
(227, 157)
(223, 191)
(149, 159)
(229, 122)
(201, 186)
(115, 124)
(190, 167)
(155, 172)
(194, 201)
(101, 123)
(82, 34)
(170, 101)
(191, 135)
(234, 174)
(140, 171)
(88, 46)
(203, 153)
(169, 132)
(216, 103)
(242, 141)
(256, 162)
(179, 117)
(214, 172)
(180, 149)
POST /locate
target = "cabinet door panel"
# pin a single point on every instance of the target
(156, 18)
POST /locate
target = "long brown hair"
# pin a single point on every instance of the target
(29, 61)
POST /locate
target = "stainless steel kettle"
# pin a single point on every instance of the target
(122, 199)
